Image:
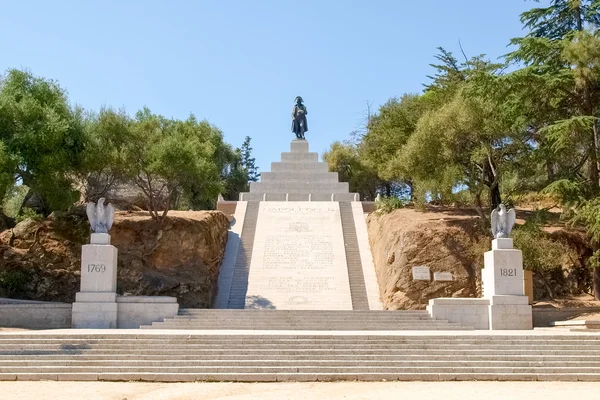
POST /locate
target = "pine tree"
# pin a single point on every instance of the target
(248, 162)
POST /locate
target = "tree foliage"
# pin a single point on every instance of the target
(63, 154)
(42, 139)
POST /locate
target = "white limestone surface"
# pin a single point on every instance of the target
(94, 315)
(503, 279)
(98, 268)
(503, 273)
(298, 258)
(465, 311)
(133, 311)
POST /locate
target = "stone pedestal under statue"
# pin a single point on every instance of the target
(503, 305)
(503, 285)
(96, 303)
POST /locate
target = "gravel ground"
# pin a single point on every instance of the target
(301, 391)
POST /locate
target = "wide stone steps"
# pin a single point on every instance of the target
(294, 187)
(239, 281)
(356, 277)
(300, 157)
(303, 176)
(303, 320)
(296, 357)
(299, 166)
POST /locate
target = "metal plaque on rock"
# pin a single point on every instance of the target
(421, 273)
(443, 276)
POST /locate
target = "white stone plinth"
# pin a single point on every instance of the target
(98, 268)
(503, 286)
(100, 238)
(510, 313)
(503, 272)
(467, 312)
(96, 304)
(134, 311)
(299, 146)
(94, 315)
(503, 306)
(502, 244)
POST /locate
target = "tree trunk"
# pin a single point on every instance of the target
(491, 180)
(550, 170)
(495, 198)
(594, 167)
(596, 276)
(479, 206)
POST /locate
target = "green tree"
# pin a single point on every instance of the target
(560, 58)
(235, 177)
(42, 139)
(103, 159)
(168, 158)
(344, 159)
(249, 162)
(387, 132)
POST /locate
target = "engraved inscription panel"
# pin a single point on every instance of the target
(298, 257)
(443, 276)
(421, 273)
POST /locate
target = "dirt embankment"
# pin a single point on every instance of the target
(406, 238)
(454, 241)
(40, 260)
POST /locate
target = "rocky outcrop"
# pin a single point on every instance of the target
(406, 238)
(40, 260)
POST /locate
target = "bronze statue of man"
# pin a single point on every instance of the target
(299, 122)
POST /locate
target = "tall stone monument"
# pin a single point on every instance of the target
(96, 303)
(299, 241)
(504, 305)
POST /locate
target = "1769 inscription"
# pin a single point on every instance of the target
(100, 268)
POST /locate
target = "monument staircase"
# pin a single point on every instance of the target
(316, 320)
(298, 242)
(298, 300)
(294, 356)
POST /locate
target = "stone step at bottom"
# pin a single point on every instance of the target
(300, 370)
(359, 358)
(265, 347)
(299, 377)
(282, 377)
(370, 327)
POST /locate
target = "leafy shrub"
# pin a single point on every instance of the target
(540, 251)
(389, 204)
(27, 213)
(13, 200)
(13, 280)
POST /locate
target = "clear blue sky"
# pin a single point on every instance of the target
(239, 64)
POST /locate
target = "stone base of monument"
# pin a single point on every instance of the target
(466, 312)
(503, 306)
(134, 311)
(94, 314)
(97, 305)
(510, 312)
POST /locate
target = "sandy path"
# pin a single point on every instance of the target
(303, 391)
